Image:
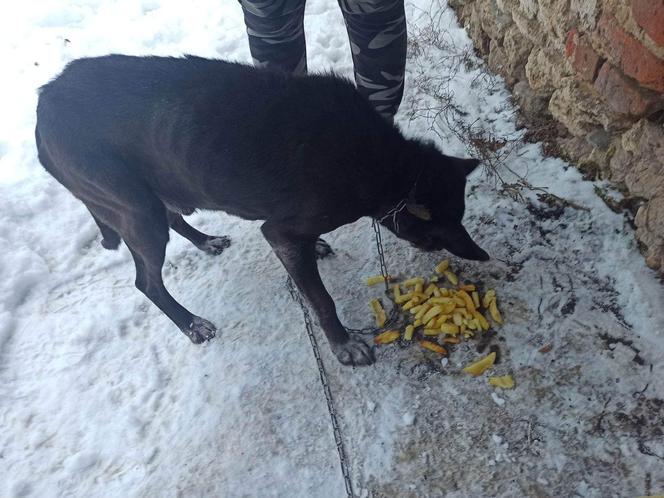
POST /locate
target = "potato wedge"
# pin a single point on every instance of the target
(430, 332)
(476, 299)
(449, 328)
(403, 298)
(432, 313)
(387, 337)
(480, 366)
(451, 277)
(412, 282)
(495, 314)
(489, 296)
(432, 346)
(442, 266)
(378, 279)
(504, 382)
(379, 312)
(470, 305)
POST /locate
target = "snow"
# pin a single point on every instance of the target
(497, 399)
(100, 395)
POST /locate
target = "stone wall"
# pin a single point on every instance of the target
(595, 68)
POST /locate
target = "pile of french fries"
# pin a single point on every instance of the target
(441, 311)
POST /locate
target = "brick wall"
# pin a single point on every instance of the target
(596, 67)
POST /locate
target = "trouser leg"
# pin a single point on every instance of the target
(276, 34)
(377, 33)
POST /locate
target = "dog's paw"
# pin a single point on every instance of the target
(323, 249)
(215, 245)
(353, 352)
(200, 330)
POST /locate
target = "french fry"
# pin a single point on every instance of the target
(467, 287)
(480, 366)
(408, 334)
(442, 266)
(379, 312)
(430, 332)
(504, 382)
(470, 305)
(449, 328)
(459, 302)
(403, 298)
(419, 288)
(378, 279)
(495, 314)
(429, 291)
(451, 340)
(415, 309)
(457, 319)
(436, 292)
(441, 300)
(489, 296)
(431, 313)
(417, 323)
(396, 289)
(451, 277)
(440, 319)
(476, 299)
(482, 321)
(414, 301)
(387, 337)
(432, 346)
(420, 314)
(412, 282)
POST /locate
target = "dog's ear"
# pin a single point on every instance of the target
(419, 211)
(468, 165)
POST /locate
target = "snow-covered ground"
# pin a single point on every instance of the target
(100, 395)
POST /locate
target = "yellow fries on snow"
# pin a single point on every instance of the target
(379, 312)
(450, 313)
(432, 346)
(378, 279)
(504, 382)
(387, 337)
(480, 366)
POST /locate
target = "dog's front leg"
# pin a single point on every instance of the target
(297, 253)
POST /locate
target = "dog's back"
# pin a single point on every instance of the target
(190, 129)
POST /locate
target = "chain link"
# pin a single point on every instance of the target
(308, 323)
(394, 315)
(326, 388)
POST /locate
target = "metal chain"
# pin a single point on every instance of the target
(381, 253)
(308, 323)
(394, 313)
(326, 388)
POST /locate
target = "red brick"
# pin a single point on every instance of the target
(570, 43)
(649, 14)
(624, 96)
(582, 56)
(630, 55)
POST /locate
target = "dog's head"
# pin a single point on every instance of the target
(430, 216)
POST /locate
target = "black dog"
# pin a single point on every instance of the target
(143, 140)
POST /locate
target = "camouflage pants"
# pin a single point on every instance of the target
(377, 33)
